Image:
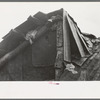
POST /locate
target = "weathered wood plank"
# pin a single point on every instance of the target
(67, 45)
(76, 37)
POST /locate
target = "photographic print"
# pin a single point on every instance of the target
(49, 41)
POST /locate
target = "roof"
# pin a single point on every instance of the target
(20, 31)
(77, 45)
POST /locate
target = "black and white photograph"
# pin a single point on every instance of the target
(55, 41)
(49, 50)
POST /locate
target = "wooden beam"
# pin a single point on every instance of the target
(67, 45)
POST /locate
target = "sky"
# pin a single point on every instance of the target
(86, 14)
